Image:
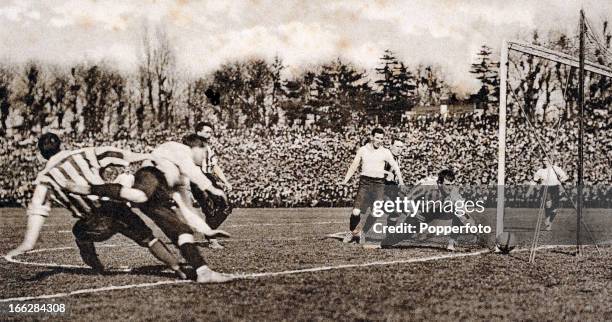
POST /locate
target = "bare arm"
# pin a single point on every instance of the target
(353, 167)
(37, 213)
(195, 175)
(217, 171)
(191, 217)
(396, 169)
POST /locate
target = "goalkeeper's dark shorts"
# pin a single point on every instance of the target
(109, 219)
(214, 208)
(552, 196)
(159, 205)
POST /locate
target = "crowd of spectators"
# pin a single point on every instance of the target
(301, 166)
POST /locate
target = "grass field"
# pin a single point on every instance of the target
(291, 273)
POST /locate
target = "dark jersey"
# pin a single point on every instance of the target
(390, 176)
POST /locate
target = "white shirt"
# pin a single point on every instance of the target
(373, 160)
(549, 177)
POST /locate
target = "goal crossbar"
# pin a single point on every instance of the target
(559, 57)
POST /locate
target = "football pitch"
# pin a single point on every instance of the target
(289, 271)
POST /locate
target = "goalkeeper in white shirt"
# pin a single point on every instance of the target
(550, 177)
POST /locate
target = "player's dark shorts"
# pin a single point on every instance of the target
(215, 208)
(370, 190)
(552, 196)
(153, 183)
(109, 219)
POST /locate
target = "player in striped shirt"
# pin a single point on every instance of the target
(98, 218)
(158, 187)
(215, 214)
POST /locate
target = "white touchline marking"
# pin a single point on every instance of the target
(288, 224)
(246, 276)
(55, 265)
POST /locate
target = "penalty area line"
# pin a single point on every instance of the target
(65, 266)
(248, 276)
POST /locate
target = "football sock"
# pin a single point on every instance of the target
(161, 252)
(354, 222)
(190, 252)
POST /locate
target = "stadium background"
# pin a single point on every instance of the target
(285, 140)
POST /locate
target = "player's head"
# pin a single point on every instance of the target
(446, 176)
(378, 136)
(205, 130)
(546, 161)
(197, 144)
(49, 145)
(397, 146)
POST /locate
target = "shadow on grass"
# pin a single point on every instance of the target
(149, 270)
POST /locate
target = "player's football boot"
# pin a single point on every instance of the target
(207, 275)
(451, 245)
(348, 237)
(214, 244)
(180, 274)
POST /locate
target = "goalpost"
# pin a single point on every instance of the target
(551, 55)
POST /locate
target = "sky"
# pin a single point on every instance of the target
(206, 34)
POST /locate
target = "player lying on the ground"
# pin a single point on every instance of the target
(156, 188)
(215, 211)
(433, 188)
(98, 219)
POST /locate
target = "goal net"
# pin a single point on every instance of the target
(538, 159)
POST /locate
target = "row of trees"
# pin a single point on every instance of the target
(95, 97)
(92, 98)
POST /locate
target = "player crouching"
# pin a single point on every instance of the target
(157, 188)
(98, 219)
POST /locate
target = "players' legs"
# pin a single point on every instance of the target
(353, 223)
(152, 181)
(376, 193)
(182, 236)
(130, 225)
(550, 206)
(358, 205)
(555, 197)
(89, 230)
(452, 239)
